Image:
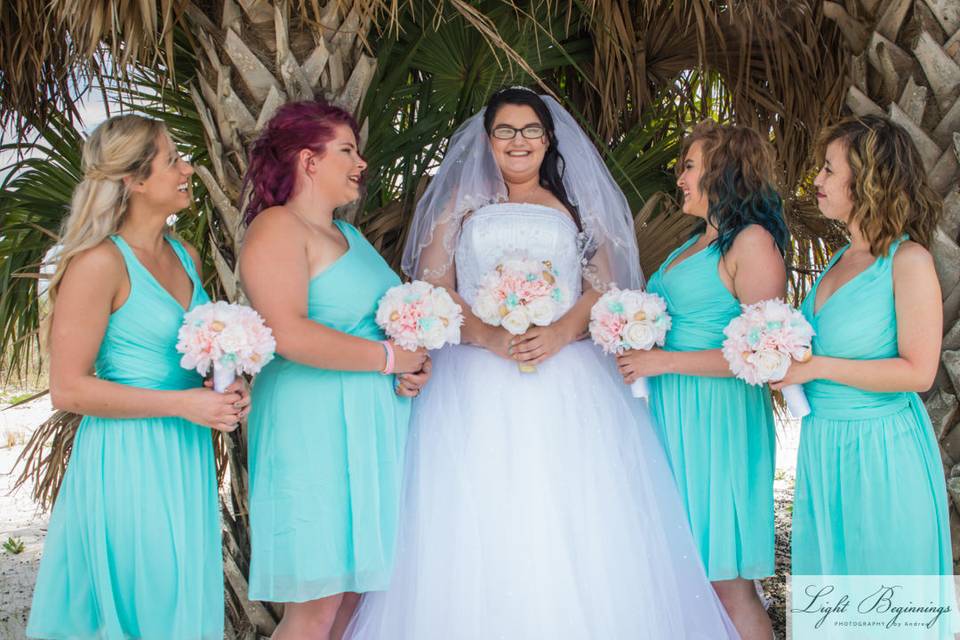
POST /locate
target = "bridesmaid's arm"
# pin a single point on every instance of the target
(93, 285)
(919, 310)
(274, 271)
(753, 268)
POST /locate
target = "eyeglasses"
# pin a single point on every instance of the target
(506, 132)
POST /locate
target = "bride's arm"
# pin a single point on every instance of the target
(437, 266)
(539, 343)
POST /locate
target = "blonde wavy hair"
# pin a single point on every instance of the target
(123, 146)
(889, 188)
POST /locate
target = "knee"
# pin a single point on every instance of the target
(312, 621)
(736, 595)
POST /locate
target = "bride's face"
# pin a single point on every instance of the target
(518, 157)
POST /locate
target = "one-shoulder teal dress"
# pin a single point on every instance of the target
(326, 451)
(870, 496)
(133, 548)
(718, 433)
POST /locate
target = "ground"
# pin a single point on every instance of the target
(21, 521)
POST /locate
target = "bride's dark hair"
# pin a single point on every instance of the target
(551, 170)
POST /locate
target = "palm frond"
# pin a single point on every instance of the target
(50, 52)
(34, 198)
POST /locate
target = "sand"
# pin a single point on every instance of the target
(19, 519)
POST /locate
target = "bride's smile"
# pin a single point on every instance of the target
(519, 157)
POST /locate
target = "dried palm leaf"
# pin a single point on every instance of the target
(45, 456)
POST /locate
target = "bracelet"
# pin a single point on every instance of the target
(388, 348)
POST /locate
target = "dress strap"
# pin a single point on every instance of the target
(886, 262)
(833, 260)
(676, 252)
(128, 255)
(896, 243)
(185, 259)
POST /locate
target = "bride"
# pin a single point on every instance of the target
(536, 505)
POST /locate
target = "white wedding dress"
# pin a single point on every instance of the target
(536, 505)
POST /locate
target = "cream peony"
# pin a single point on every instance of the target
(434, 335)
(487, 308)
(770, 364)
(233, 339)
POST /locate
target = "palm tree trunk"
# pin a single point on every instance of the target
(906, 64)
(257, 58)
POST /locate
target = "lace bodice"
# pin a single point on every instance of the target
(512, 229)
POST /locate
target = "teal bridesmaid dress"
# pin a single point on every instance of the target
(870, 496)
(326, 451)
(718, 433)
(133, 548)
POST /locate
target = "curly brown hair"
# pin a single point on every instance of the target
(888, 185)
(739, 180)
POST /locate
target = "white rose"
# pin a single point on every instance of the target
(487, 309)
(770, 364)
(516, 322)
(541, 311)
(639, 335)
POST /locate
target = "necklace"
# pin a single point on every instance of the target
(319, 227)
(525, 195)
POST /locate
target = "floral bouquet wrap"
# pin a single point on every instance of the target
(229, 338)
(418, 314)
(623, 319)
(518, 293)
(763, 341)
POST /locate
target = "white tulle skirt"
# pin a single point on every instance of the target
(538, 506)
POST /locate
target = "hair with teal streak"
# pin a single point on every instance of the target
(738, 178)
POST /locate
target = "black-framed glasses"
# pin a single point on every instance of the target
(506, 132)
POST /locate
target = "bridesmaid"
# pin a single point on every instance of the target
(718, 431)
(327, 435)
(878, 316)
(133, 549)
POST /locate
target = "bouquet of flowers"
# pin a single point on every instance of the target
(518, 293)
(418, 314)
(229, 338)
(624, 319)
(763, 341)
